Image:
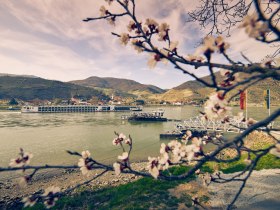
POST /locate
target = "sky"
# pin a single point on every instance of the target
(48, 38)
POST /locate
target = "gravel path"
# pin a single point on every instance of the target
(262, 191)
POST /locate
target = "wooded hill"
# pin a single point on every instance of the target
(122, 87)
(255, 93)
(28, 88)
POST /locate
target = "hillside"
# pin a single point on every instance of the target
(255, 93)
(15, 75)
(120, 86)
(172, 95)
(28, 88)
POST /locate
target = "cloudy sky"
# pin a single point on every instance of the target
(47, 38)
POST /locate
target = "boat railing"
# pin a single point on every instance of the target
(232, 125)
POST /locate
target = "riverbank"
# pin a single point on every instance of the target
(259, 193)
(11, 192)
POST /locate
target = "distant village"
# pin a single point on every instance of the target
(80, 100)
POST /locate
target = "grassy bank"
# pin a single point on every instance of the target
(148, 193)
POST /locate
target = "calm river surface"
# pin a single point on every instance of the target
(47, 136)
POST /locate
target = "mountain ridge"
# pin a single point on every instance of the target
(28, 88)
(111, 82)
(255, 92)
(118, 84)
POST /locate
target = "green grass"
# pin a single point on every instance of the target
(148, 193)
(144, 193)
(268, 161)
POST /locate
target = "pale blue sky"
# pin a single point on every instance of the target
(47, 38)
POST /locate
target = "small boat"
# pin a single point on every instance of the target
(136, 109)
(155, 116)
(11, 108)
(171, 135)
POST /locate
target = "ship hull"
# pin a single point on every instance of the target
(147, 119)
(77, 108)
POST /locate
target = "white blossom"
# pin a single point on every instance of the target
(111, 21)
(50, 195)
(131, 26)
(175, 158)
(191, 150)
(117, 168)
(173, 46)
(209, 46)
(146, 30)
(115, 141)
(136, 44)
(190, 156)
(52, 190)
(195, 58)
(121, 137)
(23, 159)
(163, 148)
(85, 163)
(216, 107)
(163, 32)
(103, 11)
(267, 62)
(197, 141)
(229, 78)
(123, 157)
(164, 166)
(29, 201)
(128, 141)
(174, 143)
(124, 38)
(84, 166)
(152, 24)
(152, 167)
(254, 28)
(85, 154)
(154, 59)
(163, 159)
(221, 44)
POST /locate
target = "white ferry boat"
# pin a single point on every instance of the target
(146, 116)
(78, 108)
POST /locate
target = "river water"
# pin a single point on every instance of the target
(47, 136)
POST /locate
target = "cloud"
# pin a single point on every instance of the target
(48, 38)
